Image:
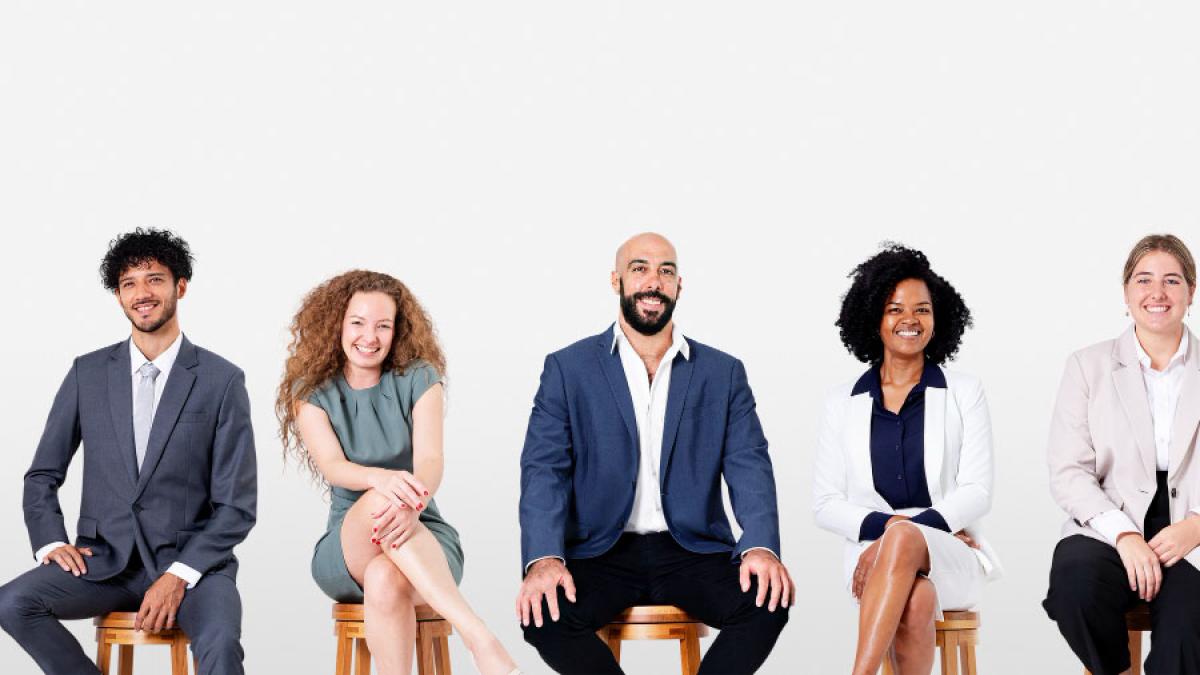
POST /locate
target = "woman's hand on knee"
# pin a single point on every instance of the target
(394, 527)
(1141, 565)
(866, 562)
(1175, 541)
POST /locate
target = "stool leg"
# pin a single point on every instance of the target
(342, 665)
(103, 651)
(1135, 651)
(179, 659)
(950, 653)
(441, 656)
(967, 651)
(125, 660)
(425, 664)
(362, 657)
(689, 651)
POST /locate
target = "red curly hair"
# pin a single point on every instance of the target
(315, 352)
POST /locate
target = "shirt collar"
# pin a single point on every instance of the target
(164, 361)
(869, 383)
(678, 342)
(1144, 358)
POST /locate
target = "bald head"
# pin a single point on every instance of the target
(644, 246)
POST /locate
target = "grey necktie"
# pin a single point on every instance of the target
(143, 409)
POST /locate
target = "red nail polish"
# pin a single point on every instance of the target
(427, 492)
(394, 546)
(420, 506)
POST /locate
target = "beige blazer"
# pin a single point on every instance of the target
(1101, 451)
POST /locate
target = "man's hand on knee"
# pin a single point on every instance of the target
(160, 604)
(542, 581)
(69, 558)
(772, 576)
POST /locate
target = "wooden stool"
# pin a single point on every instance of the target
(116, 628)
(657, 622)
(1136, 621)
(956, 632)
(433, 647)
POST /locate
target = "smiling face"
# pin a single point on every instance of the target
(367, 329)
(647, 280)
(148, 294)
(1157, 294)
(907, 324)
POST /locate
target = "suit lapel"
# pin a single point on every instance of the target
(862, 409)
(614, 372)
(120, 405)
(1131, 389)
(179, 385)
(1187, 409)
(681, 379)
(935, 439)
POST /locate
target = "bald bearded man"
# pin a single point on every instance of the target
(631, 432)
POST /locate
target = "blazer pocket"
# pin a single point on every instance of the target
(86, 527)
(186, 417)
(699, 410)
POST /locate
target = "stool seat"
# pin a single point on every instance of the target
(433, 646)
(1136, 621)
(957, 635)
(116, 628)
(657, 622)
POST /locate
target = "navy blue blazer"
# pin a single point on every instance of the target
(194, 497)
(579, 465)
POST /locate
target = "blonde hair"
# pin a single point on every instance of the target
(1167, 243)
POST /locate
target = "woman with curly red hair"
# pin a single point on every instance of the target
(361, 405)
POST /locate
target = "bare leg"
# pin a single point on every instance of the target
(902, 554)
(389, 616)
(915, 642)
(422, 565)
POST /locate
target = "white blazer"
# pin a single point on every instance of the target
(958, 464)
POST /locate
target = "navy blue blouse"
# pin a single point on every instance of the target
(898, 452)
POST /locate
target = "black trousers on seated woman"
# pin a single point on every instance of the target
(1089, 595)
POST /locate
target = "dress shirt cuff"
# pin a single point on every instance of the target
(872, 526)
(1112, 524)
(42, 552)
(931, 518)
(191, 576)
(545, 557)
(759, 548)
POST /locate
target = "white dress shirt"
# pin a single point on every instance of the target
(1162, 390)
(650, 411)
(164, 363)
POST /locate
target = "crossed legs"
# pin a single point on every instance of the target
(897, 607)
(396, 581)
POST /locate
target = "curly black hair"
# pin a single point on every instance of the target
(872, 285)
(142, 246)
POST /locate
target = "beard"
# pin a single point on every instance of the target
(151, 325)
(653, 322)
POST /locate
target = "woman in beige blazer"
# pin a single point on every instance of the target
(1123, 467)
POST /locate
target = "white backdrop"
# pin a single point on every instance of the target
(494, 155)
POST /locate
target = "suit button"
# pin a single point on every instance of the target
(137, 508)
(1174, 493)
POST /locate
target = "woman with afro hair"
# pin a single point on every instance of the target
(904, 461)
(360, 405)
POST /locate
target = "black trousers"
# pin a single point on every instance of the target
(32, 605)
(1089, 595)
(654, 569)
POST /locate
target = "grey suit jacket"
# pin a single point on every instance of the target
(1102, 454)
(193, 499)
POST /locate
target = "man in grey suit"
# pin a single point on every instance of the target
(169, 480)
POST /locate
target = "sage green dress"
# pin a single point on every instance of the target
(374, 426)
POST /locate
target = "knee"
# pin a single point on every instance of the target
(1074, 580)
(15, 605)
(568, 624)
(385, 587)
(217, 638)
(902, 546)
